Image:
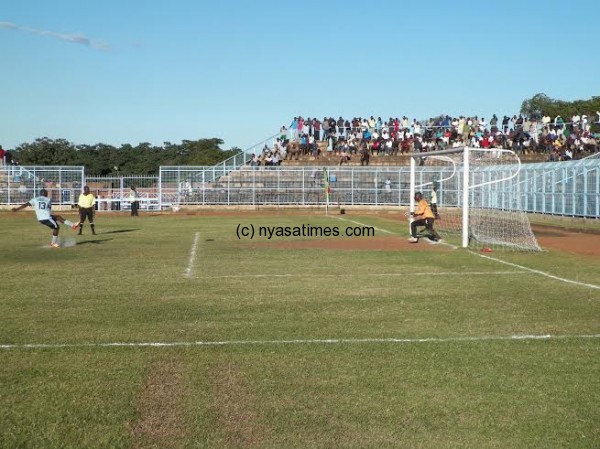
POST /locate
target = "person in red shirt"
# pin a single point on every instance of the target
(423, 216)
(2, 153)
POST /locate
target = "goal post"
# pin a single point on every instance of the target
(479, 198)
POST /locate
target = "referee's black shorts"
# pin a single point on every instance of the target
(86, 212)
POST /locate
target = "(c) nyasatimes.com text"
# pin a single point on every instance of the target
(249, 231)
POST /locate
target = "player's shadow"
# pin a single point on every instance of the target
(93, 242)
(119, 231)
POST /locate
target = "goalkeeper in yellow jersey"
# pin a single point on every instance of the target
(86, 209)
(423, 216)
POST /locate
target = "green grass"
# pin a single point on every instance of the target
(134, 283)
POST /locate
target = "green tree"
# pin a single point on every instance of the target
(45, 151)
(540, 105)
(105, 160)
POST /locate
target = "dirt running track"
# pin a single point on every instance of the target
(584, 243)
(354, 244)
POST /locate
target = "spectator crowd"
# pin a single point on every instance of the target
(7, 160)
(557, 138)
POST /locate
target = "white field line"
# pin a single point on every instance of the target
(347, 275)
(541, 273)
(523, 337)
(442, 242)
(192, 259)
(362, 224)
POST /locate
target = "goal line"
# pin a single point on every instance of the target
(327, 341)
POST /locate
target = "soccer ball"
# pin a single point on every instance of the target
(175, 208)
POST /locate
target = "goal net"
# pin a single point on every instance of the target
(478, 197)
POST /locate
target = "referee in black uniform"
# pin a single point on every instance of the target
(86, 209)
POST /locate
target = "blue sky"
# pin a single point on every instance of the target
(132, 71)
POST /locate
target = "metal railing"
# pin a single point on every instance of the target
(213, 173)
(21, 183)
(561, 188)
(112, 192)
(569, 188)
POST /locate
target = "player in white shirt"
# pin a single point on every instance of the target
(42, 205)
(434, 200)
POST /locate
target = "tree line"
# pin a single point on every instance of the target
(542, 105)
(106, 160)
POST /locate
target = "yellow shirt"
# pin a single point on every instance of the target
(86, 201)
(423, 210)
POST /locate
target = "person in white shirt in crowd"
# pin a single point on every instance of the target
(585, 125)
(385, 134)
(568, 154)
(546, 120)
(388, 146)
(533, 130)
(482, 124)
(416, 128)
(404, 123)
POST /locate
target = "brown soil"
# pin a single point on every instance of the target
(583, 243)
(354, 244)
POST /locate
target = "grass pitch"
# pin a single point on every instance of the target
(170, 332)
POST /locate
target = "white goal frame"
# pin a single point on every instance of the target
(467, 186)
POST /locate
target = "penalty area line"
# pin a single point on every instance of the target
(192, 259)
(327, 341)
